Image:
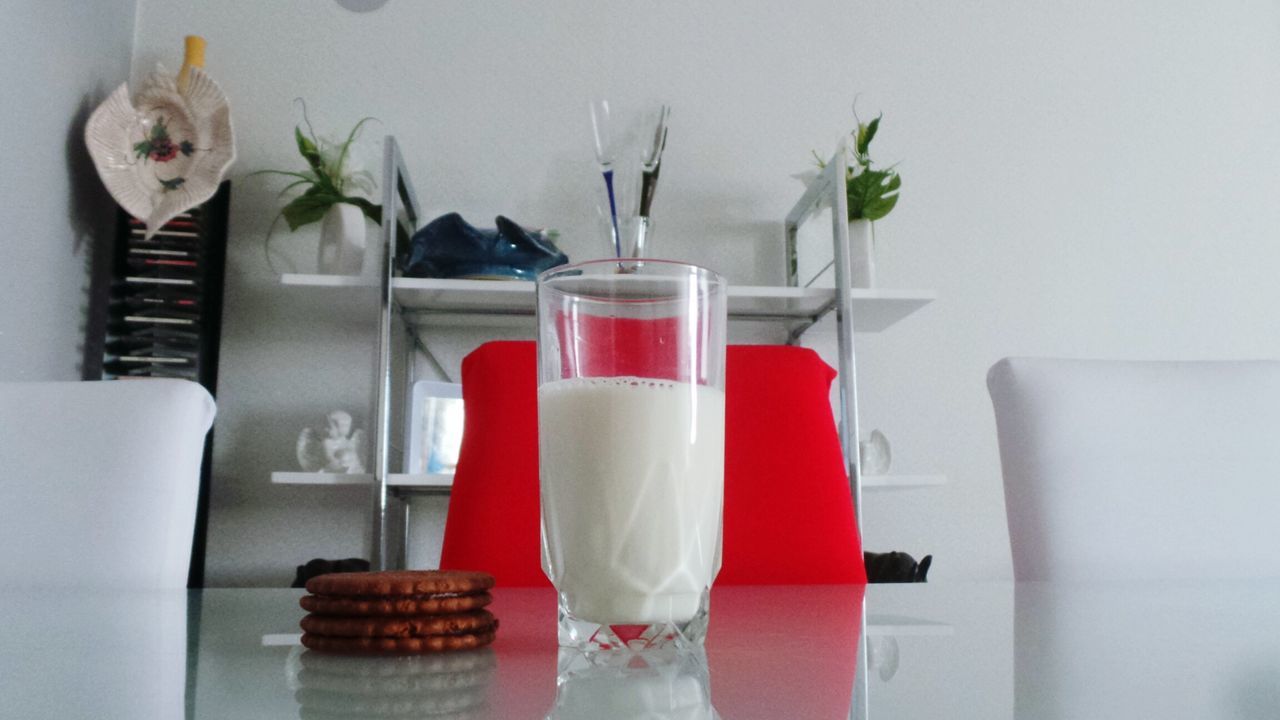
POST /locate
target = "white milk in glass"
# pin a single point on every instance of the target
(632, 478)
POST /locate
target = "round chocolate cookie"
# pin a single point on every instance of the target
(402, 605)
(400, 583)
(412, 626)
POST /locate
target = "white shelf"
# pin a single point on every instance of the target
(282, 640)
(891, 482)
(441, 481)
(317, 478)
(874, 310)
(314, 280)
(432, 301)
(426, 480)
(904, 626)
(400, 480)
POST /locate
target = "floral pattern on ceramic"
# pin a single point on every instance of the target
(165, 151)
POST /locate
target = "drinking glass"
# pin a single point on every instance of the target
(631, 449)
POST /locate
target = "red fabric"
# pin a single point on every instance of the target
(611, 346)
(493, 522)
(788, 513)
(788, 516)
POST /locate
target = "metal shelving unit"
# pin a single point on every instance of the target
(410, 307)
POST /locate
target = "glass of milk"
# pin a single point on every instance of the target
(631, 360)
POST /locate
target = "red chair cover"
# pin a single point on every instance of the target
(788, 516)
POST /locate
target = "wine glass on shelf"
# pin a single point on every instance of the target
(629, 141)
(651, 156)
(606, 154)
(653, 140)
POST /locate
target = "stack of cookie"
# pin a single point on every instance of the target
(398, 613)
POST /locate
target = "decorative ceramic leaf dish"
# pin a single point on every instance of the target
(166, 151)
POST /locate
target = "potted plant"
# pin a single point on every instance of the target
(329, 196)
(871, 194)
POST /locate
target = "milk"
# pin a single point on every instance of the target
(632, 482)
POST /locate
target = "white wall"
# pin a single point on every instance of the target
(1084, 179)
(57, 61)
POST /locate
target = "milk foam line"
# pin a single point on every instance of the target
(618, 381)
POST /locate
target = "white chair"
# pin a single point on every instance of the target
(1140, 470)
(98, 482)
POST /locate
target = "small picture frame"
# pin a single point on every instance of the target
(434, 428)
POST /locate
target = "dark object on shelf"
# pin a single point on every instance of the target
(160, 315)
(895, 567)
(450, 247)
(318, 567)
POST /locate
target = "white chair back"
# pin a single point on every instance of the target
(1140, 470)
(98, 482)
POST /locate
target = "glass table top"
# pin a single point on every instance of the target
(960, 650)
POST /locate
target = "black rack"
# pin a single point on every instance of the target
(164, 314)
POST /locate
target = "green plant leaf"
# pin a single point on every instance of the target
(865, 135)
(309, 152)
(308, 207)
(370, 210)
(291, 186)
(286, 173)
(873, 194)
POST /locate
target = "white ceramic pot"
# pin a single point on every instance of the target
(342, 240)
(862, 251)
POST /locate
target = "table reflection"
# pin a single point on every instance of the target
(988, 650)
(665, 684)
(772, 652)
(348, 686)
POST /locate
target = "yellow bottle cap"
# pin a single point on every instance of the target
(195, 52)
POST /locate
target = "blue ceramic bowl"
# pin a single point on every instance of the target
(450, 247)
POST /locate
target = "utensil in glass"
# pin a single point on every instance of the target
(631, 449)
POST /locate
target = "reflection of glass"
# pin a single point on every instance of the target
(653, 685)
(328, 685)
(631, 448)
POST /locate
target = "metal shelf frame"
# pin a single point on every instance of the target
(416, 303)
(399, 204)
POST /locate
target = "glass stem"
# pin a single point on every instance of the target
(613, 213)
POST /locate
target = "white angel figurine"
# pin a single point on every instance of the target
(340, 451)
